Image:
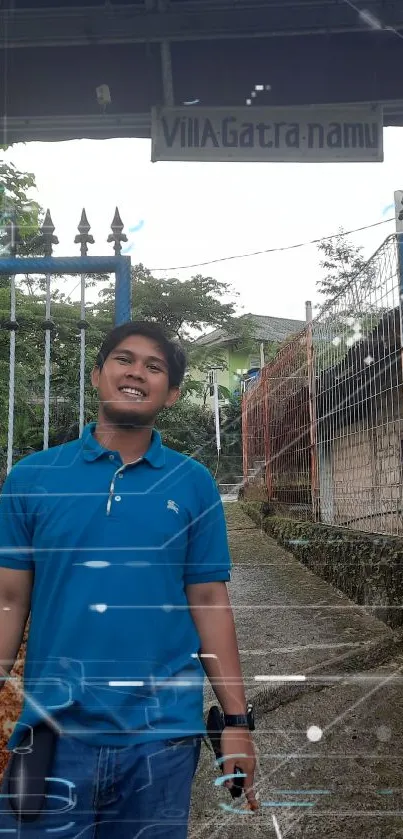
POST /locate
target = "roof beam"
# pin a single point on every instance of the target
(73, 126)
(75, 26)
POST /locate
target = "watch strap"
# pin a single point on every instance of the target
(236, 720)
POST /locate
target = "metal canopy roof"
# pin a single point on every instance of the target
(304, 52)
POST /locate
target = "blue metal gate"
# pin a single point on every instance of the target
(12, 265)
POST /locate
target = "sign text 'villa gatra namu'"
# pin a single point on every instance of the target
(261, 134)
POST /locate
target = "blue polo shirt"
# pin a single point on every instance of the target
(112, 651)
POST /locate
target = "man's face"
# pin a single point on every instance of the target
(133, 384)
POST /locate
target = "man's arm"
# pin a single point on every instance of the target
(15, 604)
(16, 567)
(208, 567)
(212, 613)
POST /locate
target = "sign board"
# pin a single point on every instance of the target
(399, 210)
(290, 135)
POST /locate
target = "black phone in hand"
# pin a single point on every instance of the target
(215, 727)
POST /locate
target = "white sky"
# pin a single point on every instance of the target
(193, 212)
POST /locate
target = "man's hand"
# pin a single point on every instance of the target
(234, 742)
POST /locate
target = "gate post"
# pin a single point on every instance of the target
(47, 240)
(123, 292)
(245, 440)
(83, 238)
(399, 245)
(265, 385)
(313, 426)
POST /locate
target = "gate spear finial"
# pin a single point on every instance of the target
(117, 236)
(84, 237)
(47, 239)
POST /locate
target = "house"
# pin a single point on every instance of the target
(268, 334)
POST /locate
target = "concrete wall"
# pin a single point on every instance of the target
(366, 469)
(353, 476)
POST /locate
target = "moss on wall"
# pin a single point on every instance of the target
(252, 492)
(368, 568)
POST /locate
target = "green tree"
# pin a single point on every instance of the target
(350, 310)
(341, 261)
(190, 428)
(230, 466)
(184, 307)
(187, 426)
(347, 275)
(18, 206)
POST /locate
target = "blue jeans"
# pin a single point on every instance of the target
(113, 793)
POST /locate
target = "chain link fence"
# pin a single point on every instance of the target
(322, 427)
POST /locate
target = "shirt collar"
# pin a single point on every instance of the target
(92, 449)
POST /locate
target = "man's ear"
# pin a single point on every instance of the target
(95, 373)
(173, 396)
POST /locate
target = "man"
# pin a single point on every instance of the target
(117, 546)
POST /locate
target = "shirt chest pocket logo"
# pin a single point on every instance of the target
(153, 521)
(172, 505)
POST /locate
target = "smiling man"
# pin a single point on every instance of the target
(117, 546)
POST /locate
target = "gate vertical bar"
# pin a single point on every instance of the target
(266, 430)
(123, 275)
(312, 411)
(47, 240)
(13, 236)
(46, 405)
(216, 412)
(245, 441)
(82, 357)
(84, 239)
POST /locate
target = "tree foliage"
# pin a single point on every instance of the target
(17, 206)
(186, 427)
(347, 275)
(184, 307)
(351, 309)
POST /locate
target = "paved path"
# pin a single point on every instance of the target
(330, 740)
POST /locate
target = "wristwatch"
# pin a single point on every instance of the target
(241, 720)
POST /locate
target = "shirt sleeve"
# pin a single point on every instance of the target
(208, 558)
(15, 530)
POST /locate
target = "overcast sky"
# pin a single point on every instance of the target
(194, 212)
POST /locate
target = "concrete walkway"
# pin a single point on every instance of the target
(327, 681)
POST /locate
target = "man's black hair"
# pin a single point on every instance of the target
(174, 354)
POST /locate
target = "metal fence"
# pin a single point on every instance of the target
(322, 426)
(47, 345)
